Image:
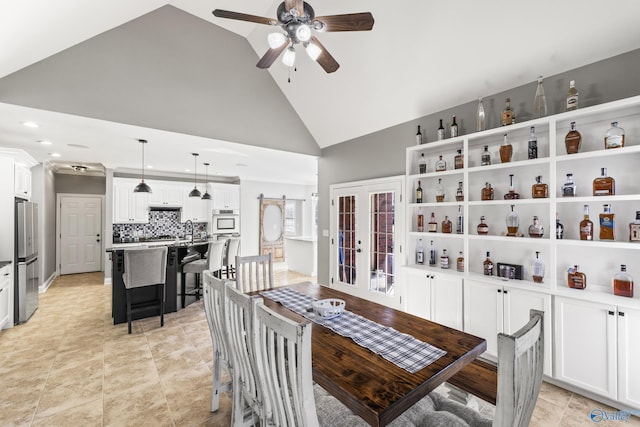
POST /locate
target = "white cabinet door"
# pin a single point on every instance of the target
(628, 357)
(226, 196)
(129, 207)
(418, 286)
(165, 193)
(5, 300)
(446, 300)
(517, 306)
(195, 209)
(483, 313)
(22, 181)
(585, 345)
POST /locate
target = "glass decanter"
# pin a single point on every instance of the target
(572, 140)
(487, 192)
(483, 228)
(576, 279)
(439, 191)
(537, 269)
(536, 229)
(511, 195)
(540, 102)
(513, 222)
(614, 138)
(506, 150)
(460, 193)
(623, 283)
(569, 188)
(485, 157)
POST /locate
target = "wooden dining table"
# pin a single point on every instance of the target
(372, 387)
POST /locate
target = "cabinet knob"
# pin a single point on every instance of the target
(621, 313)
(499, 291)
(506, 291)
(611, 313)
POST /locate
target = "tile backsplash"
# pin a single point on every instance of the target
(161, 224)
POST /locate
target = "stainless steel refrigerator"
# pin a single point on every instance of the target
(27, 281)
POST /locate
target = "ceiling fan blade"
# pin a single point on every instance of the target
(348, 22)
(244, 17)
(298, 4)
(272, 55)
(326, 61)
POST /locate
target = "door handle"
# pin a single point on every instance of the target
(97, 240)
(358, 250)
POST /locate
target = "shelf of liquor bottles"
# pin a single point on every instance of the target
(531, 175)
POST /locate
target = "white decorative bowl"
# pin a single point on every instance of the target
(328, 308)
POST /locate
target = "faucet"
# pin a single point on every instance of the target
(188, 222)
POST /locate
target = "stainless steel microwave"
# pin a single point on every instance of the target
(225, 221)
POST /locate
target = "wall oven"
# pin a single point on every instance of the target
(225, 221)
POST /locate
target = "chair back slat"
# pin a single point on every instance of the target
(144, 266)
(216, 255)
(520, 367)
(233, 248)
(283, 362)
(254, 273)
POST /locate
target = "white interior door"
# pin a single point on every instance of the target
(80, 234)
(366, 233)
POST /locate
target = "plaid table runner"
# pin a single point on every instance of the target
(401, 349)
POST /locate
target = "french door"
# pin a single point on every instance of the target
(366, 239)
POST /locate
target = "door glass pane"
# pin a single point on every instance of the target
(381, 242)
(347, 218)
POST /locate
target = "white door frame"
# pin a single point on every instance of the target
(399, 217)
(59, 197)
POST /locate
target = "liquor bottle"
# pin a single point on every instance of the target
(559, 228)
(441, 134)
(508, 115)
(480, 116)
(422, 164)
(537, 269)
(433, 254)
(604, 185)
(506, 150)
(454, 128)
(483, 228)
(439, 191)
(487, 192)
(433, 225)
(614, 138)
(419, 136)
(586, 226)
(419, 252)
(460, 193)
(419, 193)
(511, 195)
(460, 262)
(634, 229)
(533, 144)
(623, 283)
(576, 279)
(572, 96)
(540, 101)
(607, 224)
(458, 161)
(488, 265)
(569, 188)
(420, 220)
(572, 140)
(444, 259)
(513, 222)
(539, 190)
(441, 165)
(459, 221)
(446, 225)
(536, 229)
(485, 158)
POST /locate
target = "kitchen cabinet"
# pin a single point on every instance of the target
(5, 296)
(597, 348)
(129, 207)
(492, 308)
(226, 196)
(195, 209)
(167, 194)
(22, 181)
(434, 296)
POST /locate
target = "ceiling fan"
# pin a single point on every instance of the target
(297, 19)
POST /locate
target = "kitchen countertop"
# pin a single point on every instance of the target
(152, 243)
(4, 263)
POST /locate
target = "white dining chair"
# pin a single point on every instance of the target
(247, 397)
(254, 273)
(232, 251)
(214, 292)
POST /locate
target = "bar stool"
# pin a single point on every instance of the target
(213, 262)
(144, 267)
(233, 249)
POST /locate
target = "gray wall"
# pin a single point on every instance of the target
(382, 153)
(44, 194)
(79, 184)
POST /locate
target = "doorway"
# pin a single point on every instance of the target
(367, 220)
(79, 233)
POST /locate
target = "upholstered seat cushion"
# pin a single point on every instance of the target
(197, 266)
(432, 410)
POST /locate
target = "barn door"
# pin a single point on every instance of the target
(272, 228)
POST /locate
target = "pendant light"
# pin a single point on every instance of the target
(206, 195)
(143, 187)
(195, 192)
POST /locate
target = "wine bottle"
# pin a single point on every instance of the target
(422, 164)
(441, 134)
(419, 193)
(485, 158)
(540, 102)
(533, 144)
(419, 252)
(559, 228)
(420, 219)
(480, 126)
(418, 136)
(459, 221)
(572, 96)
(433, 254)
(508, 115)
(454, 128)
(487, 265)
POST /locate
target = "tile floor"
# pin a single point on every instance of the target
(70, 366)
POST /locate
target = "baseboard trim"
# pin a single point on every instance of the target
(43, 288)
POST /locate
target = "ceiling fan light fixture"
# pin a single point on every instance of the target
(313, 51)
(289, 57)
(276, 40)
(303, 33)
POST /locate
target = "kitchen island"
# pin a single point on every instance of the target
(179, 252)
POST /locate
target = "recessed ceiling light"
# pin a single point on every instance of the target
(149, 167)
(30, 124)
(187, 170)
(77, 146)
(45, 142)
(55, 154)
(242, 165)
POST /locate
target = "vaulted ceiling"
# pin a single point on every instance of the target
(111, 70)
